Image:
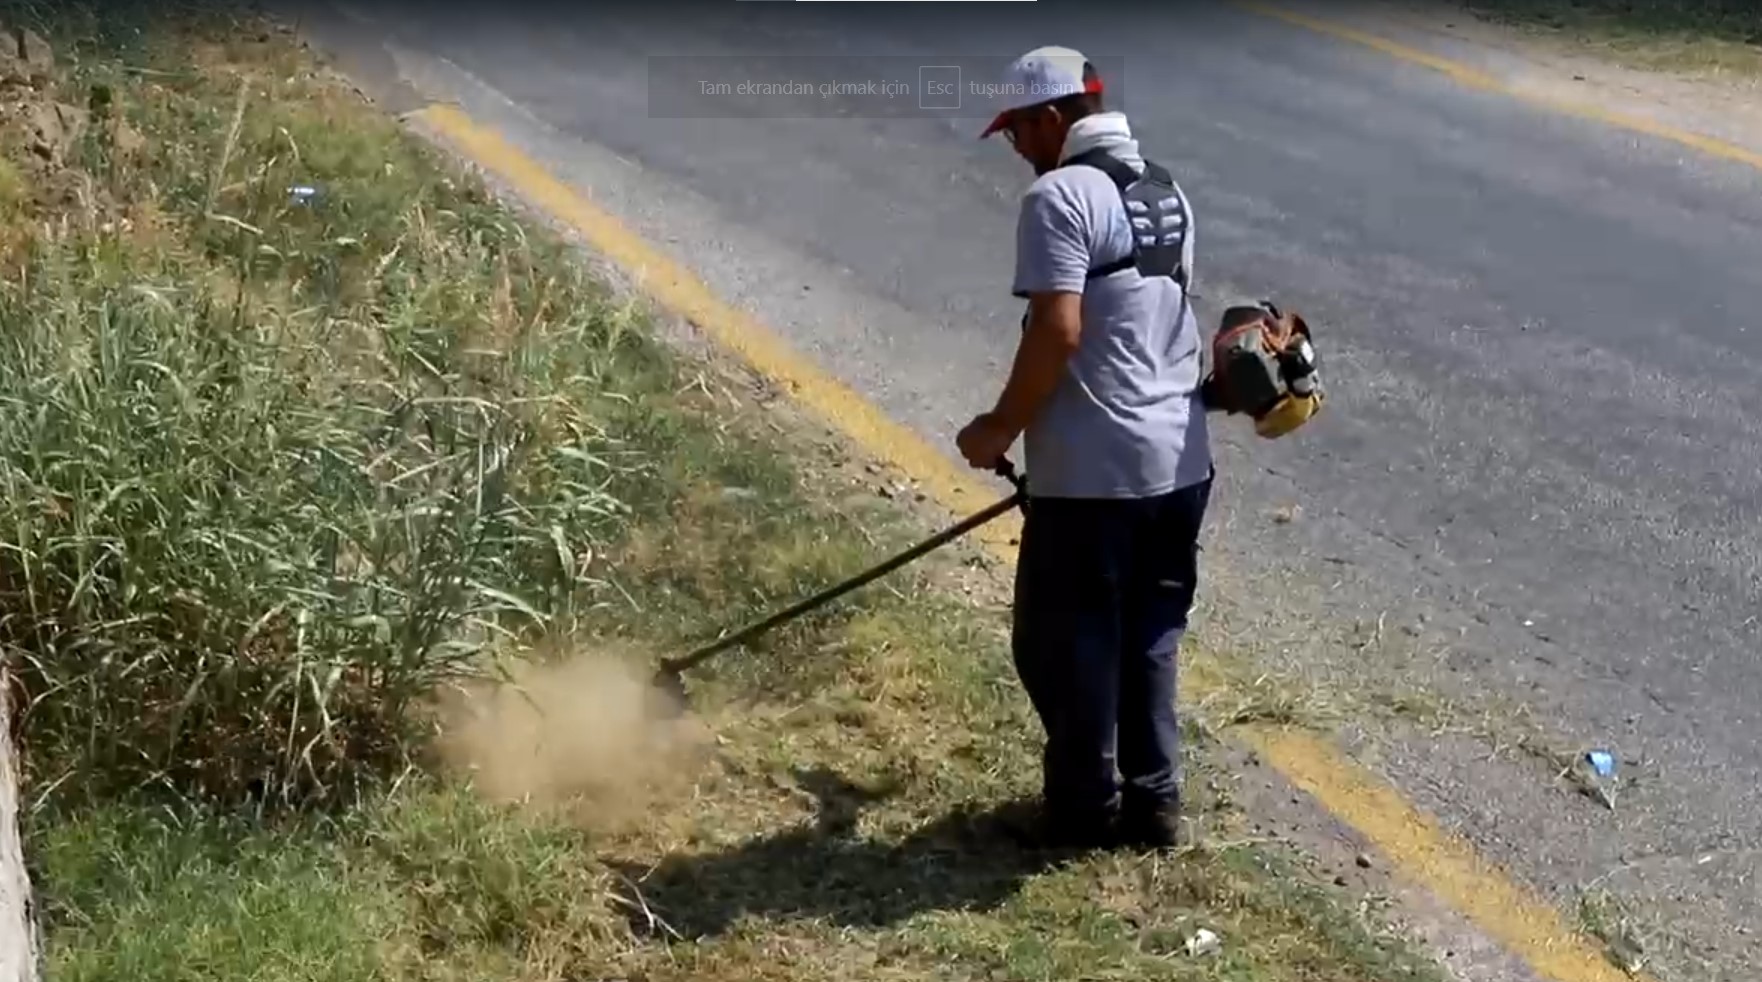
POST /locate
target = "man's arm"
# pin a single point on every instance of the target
(1052, 266)
(1054, 326)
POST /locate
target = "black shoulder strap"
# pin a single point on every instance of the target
(1121, 172)
(1123, 177)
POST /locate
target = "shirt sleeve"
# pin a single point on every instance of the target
(1052, 242)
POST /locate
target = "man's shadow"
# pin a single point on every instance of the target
(969, 860)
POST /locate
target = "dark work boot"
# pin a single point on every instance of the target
(1080, 835)
(1054, 832)
(1155, 826)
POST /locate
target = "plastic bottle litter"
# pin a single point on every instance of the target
(1203, 942)
(1595, 776)
(302, 194)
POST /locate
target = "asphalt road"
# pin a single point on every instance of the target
(1540, 468)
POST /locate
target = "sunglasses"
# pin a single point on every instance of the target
(1018, 121)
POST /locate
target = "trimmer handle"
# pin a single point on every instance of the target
(1005, 469)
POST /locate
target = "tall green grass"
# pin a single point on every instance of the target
(271, 469)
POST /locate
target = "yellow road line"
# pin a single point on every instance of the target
(1412, 841)
(1474, 78)
(678, 290)
(1428, 854)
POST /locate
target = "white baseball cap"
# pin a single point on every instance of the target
(1042, 75)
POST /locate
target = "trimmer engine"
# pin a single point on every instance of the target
(1264, 365)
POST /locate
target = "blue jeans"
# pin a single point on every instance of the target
(1102, 593)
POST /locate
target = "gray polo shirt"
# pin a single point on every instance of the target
(1126, 421)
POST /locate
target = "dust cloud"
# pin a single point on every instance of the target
(578, 732)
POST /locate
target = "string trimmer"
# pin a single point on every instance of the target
(669, 681)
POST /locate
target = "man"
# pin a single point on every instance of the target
(1105, 392)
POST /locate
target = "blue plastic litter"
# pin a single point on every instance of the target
(302, 194)
(1603, 762)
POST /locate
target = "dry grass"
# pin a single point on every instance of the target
(1715, 37)
(1628, 943)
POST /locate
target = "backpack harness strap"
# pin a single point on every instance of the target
(1151, 253)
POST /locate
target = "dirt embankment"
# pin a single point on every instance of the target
(32, 117)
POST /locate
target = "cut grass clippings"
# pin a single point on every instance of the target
(275, 468)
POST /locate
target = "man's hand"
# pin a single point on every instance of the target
(985, 440)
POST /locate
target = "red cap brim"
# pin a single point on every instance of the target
(998, 122)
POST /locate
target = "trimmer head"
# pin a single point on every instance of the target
(667, 696)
